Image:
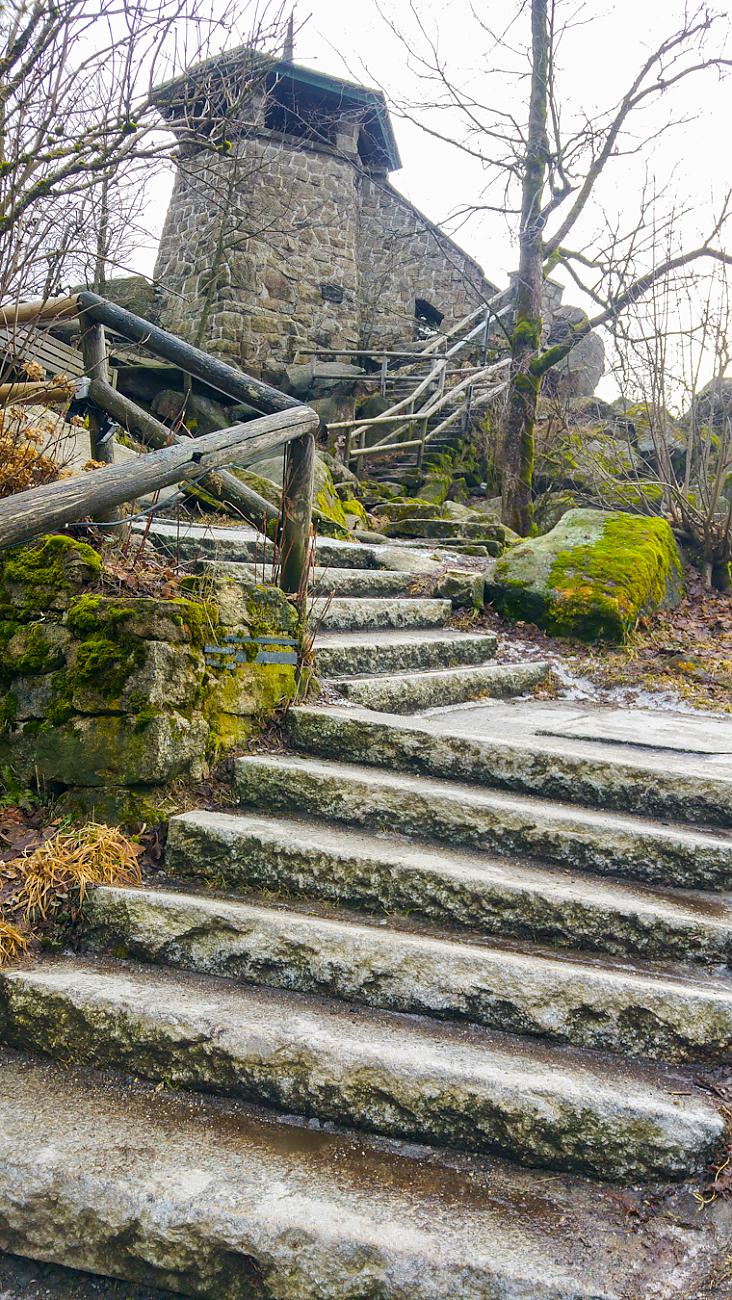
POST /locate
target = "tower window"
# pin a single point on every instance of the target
(427, 319)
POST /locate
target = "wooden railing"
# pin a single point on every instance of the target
(407, 421)
(97, 493)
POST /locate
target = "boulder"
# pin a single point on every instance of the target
(333, 516)
(713, 405)
(592, 576)
(464, 589)
(581, 371)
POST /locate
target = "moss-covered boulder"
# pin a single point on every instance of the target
(592, 576)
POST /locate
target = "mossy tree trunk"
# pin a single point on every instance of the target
(517, 451)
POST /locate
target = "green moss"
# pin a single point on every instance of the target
(592, 576)
(142, 617)
(614, 580)
(8, 712)
(53, 564)
(527, 332)
(39, 651)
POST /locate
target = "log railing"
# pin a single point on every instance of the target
(96, 494)
(406, 423)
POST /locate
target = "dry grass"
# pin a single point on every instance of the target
(46, 886)
(13, 943)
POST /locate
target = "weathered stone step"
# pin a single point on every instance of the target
(684, 787)
(486, 820)
(408, 692)
(641, 1012)
(329, 581)
(467, 890)
(244, 545)
(348, 613)
(338, 654)
(204, 1197)
(456, 1086)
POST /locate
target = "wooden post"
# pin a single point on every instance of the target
(94, 352)
(297, 505)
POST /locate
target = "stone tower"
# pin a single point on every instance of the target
(284, 231)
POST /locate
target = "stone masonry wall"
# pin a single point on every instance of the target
(294, 246)
(108, 698)
(402, 256)
(273, 223)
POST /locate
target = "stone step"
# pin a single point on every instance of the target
(210, 1199)
(243, 545)
(454, 890)
(348, 613)
(409, 692)
(640, 1012)
(328, 581)
(340, 653)
(669, 784)
(454, 1086)
(485, 820)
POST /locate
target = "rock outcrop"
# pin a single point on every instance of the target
(592, 576)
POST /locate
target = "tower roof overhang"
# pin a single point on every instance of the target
(229, 68)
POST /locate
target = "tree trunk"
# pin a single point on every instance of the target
(517, 451)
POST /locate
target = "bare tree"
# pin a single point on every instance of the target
(546, 180)
(79, 126)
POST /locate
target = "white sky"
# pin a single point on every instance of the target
(597, 61)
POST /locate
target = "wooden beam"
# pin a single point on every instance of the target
(53, 506)
(211, 371)
(43, 392)
(94, 352)
(221, 484)
(51, 309)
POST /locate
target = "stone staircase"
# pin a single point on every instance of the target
(442, 1011)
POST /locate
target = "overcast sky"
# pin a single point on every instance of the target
(597, 61)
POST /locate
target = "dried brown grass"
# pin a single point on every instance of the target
(47, 886)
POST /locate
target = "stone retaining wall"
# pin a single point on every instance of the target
(109, 698)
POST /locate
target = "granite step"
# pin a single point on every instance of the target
(410, 692)
(669, 783)
(245, 545)
(477, 818)
(339, 654)
(345, 613)
(640, 1011)
(455, 890)
(449, 1085)
(328, 581)
(208, 1198)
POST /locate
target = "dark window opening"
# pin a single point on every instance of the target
(427, 319)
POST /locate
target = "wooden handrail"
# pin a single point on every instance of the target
(55, 505)
(285, 423)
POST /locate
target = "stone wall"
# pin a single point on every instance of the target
(402, 257)
(110, 698)
(293, 245)
(278, 225)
